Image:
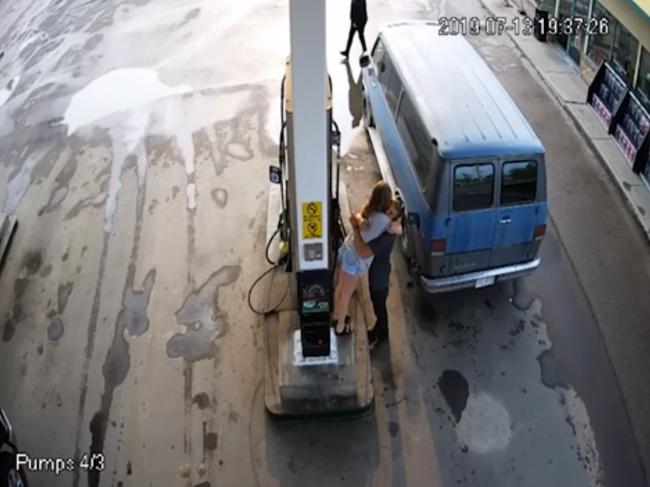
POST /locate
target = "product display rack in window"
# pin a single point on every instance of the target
(631, 128)
(606, 94)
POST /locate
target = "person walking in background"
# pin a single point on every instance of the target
(358, 19)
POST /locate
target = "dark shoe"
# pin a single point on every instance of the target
(344, 54)
(348, 320)
(347, 330)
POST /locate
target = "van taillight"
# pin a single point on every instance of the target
(540, 231)
(438, 246)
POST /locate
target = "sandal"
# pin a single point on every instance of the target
(348, 321)
(347, 330)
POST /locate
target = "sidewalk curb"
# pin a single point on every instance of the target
(622, 190)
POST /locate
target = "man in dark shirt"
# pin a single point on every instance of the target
(378, 282)
(358, 20)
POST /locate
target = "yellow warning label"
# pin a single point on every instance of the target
(312, 219)
(312, 229)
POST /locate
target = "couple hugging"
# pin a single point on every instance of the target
(365, 249)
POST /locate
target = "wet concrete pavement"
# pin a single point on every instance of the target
(134, 142)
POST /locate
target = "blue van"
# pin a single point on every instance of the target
(467, 164)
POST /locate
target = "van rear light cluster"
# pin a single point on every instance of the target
(438, 246)
(540, 231)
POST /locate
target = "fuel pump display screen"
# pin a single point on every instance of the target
(315, 295)
(315, 299)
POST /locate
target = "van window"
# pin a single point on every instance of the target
(518, 182)
(416, 140)
(394, 88)
(384, 70)
(378, 52)
(473, 186)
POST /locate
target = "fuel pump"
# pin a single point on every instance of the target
(309, 370)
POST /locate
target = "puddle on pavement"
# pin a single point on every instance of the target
(117, 91)
(220, 197)
(133, 316)
(517, 396)
(550, 369)
(134, 103)
(55, 330)
(135, 306)
(8, 90)
(62, 181)
(203, 320)
(31, 265)
(455, 390)
(63, 295)
(18, 185)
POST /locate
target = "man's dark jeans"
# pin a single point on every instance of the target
(378, 298)
(360, 29)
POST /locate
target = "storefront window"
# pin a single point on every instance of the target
(625, 51)
(565, 11)
(643, 82)
(599, 47)
(577, 40)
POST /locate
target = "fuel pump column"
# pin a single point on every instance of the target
(309, 370)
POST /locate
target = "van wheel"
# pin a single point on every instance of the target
(367, 114)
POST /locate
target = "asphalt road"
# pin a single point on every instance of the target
(134, 141)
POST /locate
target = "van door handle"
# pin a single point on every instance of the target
(505, 220)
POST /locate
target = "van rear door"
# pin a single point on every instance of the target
(521, 209)
(471, 224)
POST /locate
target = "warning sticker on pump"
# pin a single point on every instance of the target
(312, 219)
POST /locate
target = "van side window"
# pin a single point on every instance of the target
(384, 70)
(394, 88)
(473, 186)
(416, 140)
(518, 182)
(378, 52)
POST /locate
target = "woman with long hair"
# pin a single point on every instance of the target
(381, 213)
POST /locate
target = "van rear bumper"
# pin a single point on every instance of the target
(434, 285)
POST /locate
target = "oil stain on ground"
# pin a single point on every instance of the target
(455, 390)
(201, 400)
(204, 321)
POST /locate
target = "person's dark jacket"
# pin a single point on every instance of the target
(379, 274)
(358, 13)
